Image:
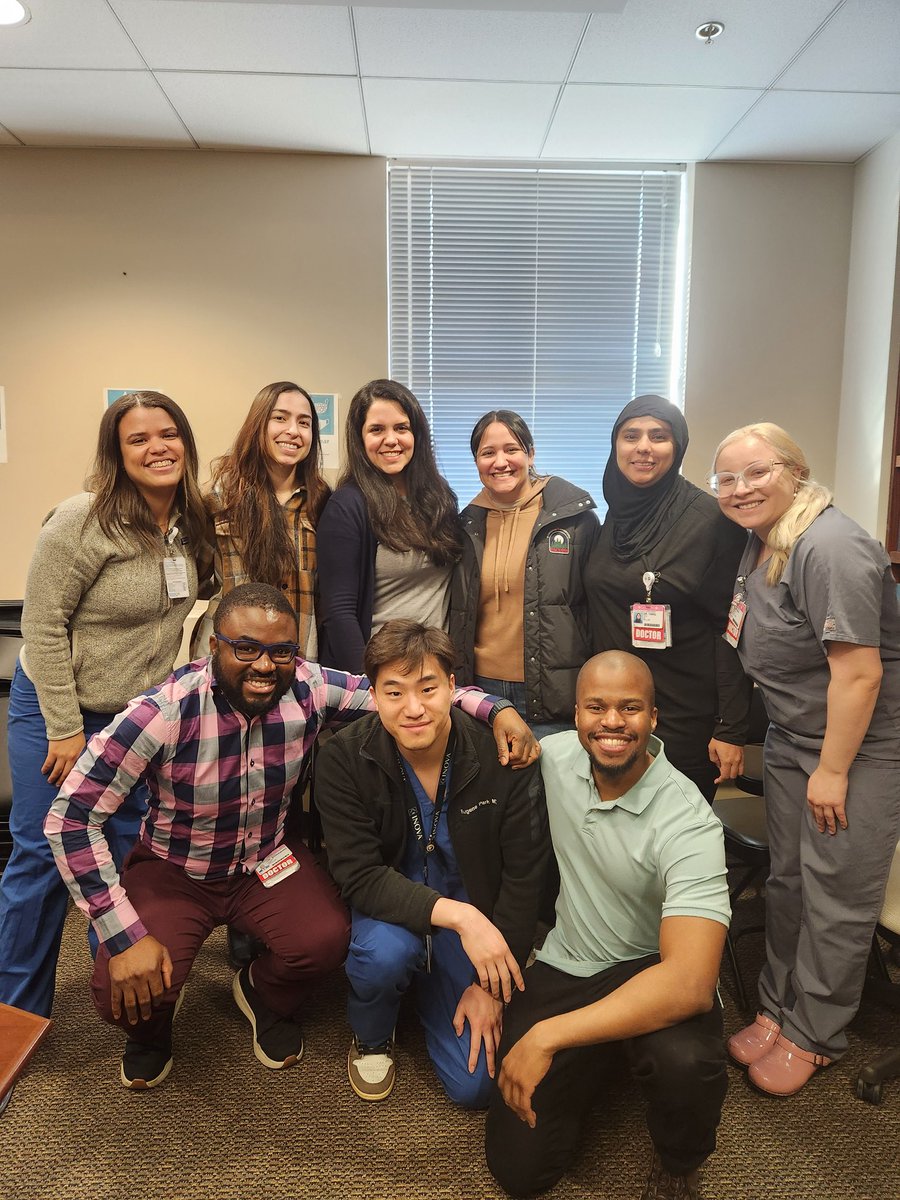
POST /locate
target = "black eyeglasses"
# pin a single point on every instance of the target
(249, 650)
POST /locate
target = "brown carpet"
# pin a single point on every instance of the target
(225, 1128)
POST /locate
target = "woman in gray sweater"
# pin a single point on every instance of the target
(114, 576)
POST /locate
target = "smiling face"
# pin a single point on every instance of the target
(614, 717)
(503, 464)
(645, 450)
(152, 450)
(288, 434)
(755, 507)
(253, 688)
(414, 705)
(387, 438)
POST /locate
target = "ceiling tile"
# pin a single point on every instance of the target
(813, 126)
(655, 43)
(181, 35)
(68, 33)
(88, 108)
(269, 112)
(449, 44)
(441, 119)
(643, 123)
(857, 51)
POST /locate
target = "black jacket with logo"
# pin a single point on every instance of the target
(557, 624)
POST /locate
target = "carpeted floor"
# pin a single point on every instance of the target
(225, 1128)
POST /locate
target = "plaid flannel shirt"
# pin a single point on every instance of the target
(300, 586)
(220, 783)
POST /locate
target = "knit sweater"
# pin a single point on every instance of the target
(98, 623)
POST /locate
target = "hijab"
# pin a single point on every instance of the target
(641, 516)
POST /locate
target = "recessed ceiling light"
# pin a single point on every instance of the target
(12, 12)
(709, 30)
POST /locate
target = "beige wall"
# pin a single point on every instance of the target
(871, 342)
(243, 268)
(204, 275)
(769, 262)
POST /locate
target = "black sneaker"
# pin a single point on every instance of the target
(277, 1041)
(243, 948)
(145, 1065)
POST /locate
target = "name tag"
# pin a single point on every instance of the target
(175, 570)
(736, 616)
(277, 866)
(651, 626)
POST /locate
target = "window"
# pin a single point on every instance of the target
(556, 293)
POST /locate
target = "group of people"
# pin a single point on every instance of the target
(629, 646)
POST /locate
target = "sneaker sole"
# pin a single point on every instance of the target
(143, 1085)
(383, 1095)
(271, 1063)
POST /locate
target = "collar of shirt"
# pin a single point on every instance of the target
(636, 799)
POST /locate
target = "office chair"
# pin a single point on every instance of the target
(742, 811)
(869, 1082)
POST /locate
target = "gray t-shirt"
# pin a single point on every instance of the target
(409, 585)
(837, 587)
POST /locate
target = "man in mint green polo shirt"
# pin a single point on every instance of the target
(633, 957)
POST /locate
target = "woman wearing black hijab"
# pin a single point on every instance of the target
(666, 546)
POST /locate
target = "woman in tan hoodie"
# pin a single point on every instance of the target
(519, 613)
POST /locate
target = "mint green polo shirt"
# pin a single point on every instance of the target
(657, 851)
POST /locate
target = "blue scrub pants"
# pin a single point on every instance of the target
(383, 961)
(33, 897)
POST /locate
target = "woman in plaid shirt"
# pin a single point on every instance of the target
(267, 494)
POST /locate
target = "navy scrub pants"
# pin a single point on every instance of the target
(383, 962)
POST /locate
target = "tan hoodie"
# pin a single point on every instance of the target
(500, 627)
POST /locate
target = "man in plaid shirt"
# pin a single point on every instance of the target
(221, 744)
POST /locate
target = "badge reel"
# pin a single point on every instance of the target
(651, 624)
(737, 614)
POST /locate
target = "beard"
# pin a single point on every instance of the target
(614, 770)
(255, 706)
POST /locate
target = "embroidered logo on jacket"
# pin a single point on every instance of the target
(559, 541)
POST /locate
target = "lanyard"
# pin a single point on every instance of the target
(412, 805)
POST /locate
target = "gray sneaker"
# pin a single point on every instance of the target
(661, 1185)
(371, 1069)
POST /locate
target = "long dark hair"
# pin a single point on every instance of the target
(429, 521)
(242, 491)
(118, 506)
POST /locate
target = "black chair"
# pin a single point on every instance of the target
(869, 1082)
(742, 811)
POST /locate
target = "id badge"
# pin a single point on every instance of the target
(651, 626)
(277, 866)
(736, 616)
(175, 570)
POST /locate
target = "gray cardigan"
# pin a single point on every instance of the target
(98, 624)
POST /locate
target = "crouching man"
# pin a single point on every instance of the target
(633, 956)
(440, 853)
(221, 744)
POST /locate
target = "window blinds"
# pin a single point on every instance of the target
(552, 292)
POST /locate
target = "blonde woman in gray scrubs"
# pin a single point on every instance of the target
(816, 624)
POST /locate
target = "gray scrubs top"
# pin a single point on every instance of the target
(837, 586)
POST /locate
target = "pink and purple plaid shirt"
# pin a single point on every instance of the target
(220, 783)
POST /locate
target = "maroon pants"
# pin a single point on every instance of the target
(302, 921)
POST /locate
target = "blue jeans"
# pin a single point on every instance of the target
(383, 961)
(514, 692)
(33, 897)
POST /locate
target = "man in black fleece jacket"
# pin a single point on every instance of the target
(440, 853)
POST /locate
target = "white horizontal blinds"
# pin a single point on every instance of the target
(548, 292)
